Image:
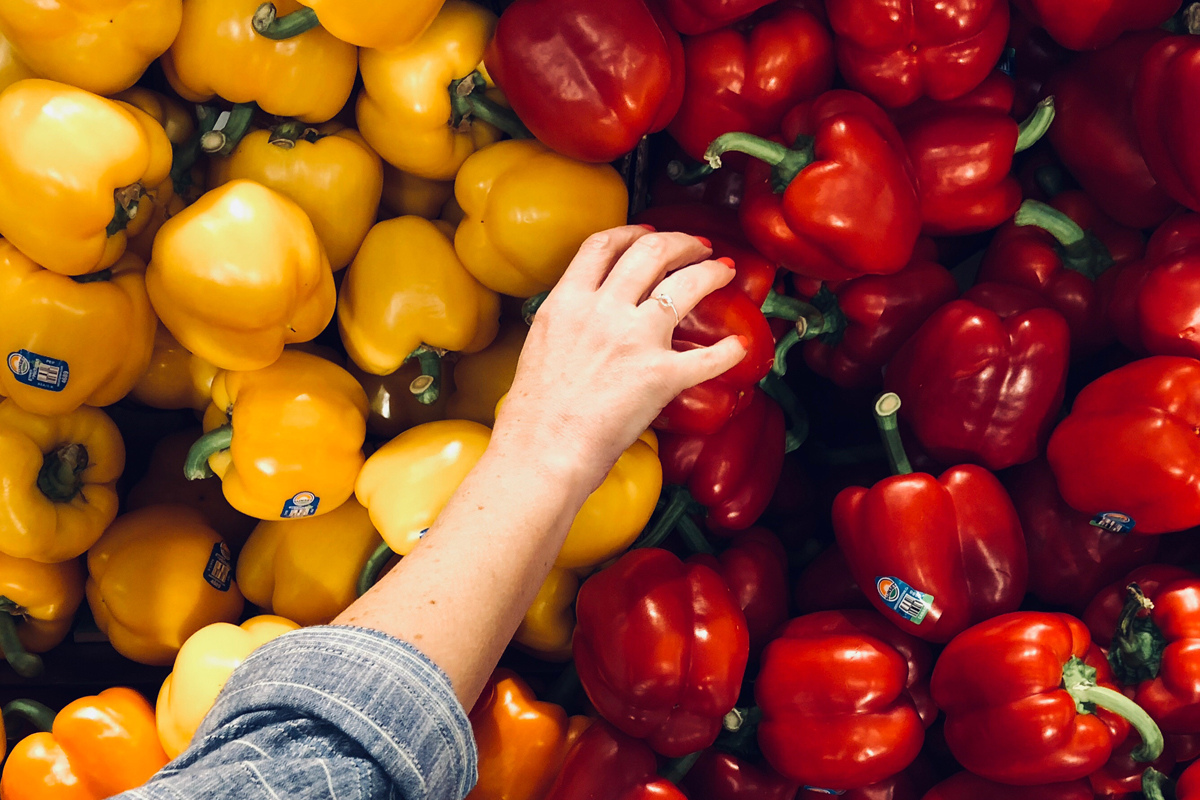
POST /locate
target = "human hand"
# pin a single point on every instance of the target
(597, 365)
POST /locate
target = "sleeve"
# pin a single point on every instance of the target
(328, 712)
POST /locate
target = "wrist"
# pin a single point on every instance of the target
(533, 452)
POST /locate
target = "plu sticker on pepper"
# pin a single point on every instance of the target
(302, 504)
(41, 372)
(906, 601)
(819, 790)
(219, 570)
(1113, 522)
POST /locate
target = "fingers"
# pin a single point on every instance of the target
(688, 286)
(647, 259)
(697, 366)
(597, 255)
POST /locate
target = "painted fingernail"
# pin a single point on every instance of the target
(744, 342)
(650, 228)
(727, 261)
(702, 240)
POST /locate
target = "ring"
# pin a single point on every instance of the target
(665, 301)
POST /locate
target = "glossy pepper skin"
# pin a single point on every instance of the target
(718, 775)
(1129, 445)
(59, 475)
(522, 741)
(67, 159)
(528, 209)
(983, 379)
(673, 695)
(481, 379)
(408, 108)
(1092, 24)
(837, 695)
(37, 608)
(102, 48)
(239, 274)
(375, 23)
(296, 429)
(218, 54)
(405, 193)
(1095, 135)
(589, 80)
(98, 747)
(604, 762)
(156, 577)
(394, 408)
(693, 17)
(754, 567)
(203, 666)
(965, 786)
(1166, 303)
(548, 628)
(174, 378)
(745, 77)
(898, 53)
(1167, 83)
(12, 68)
(1188, 787)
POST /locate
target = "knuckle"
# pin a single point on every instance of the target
(601, 240)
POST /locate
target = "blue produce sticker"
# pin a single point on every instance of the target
(302, 504)
(1008, 62)
(219, 572)
(906, 601)
(38, 371)
(1113, 522)
(819, 790)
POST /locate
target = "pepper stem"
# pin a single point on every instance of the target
(1035, 125)
(38, 715)
(1191, 19)
(740, 732)
(125, 207)
(1157, 786)
(565, 687)
(674, 510)
(285, 134)
(693, 537)
(889, 430)
(1080, 251)
(195, 466)
(797, 417)
(428, 385)
(787, 162)
(468, 101)
(222, 141)
(1138, 644)
(530, 307)
(677, 768)
(810, 320)
(267, 22)
(682, 175)
(369, 575)
(58, 479)
(23, 662)
(1079, 680)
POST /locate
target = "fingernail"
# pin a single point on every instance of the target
(727, 261)
(744, 342)
(650, 228)
(704, 241)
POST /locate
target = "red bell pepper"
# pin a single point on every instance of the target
(934, 555)
(805, 208)
(754, 567)
(1168, 116)
(692, 17)
(897, 53)
(661, 649)
(1104, 611)
(747, 76)
(906, 785)
(1035, 57)
(1168, 298)
(1070, 559)
(965, 786)
(1091, 24)
(588, 79)
(1121, 776)
(722, 776)
(1188, 787)
(606, 763)
(1129, 446)
(1029, 700)
(836, 692)
(983, 379)
(1063, 251)
(1094, 132)
(827, 585)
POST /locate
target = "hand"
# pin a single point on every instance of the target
(597, 366)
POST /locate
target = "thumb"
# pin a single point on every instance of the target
(702, 364)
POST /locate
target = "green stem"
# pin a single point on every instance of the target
(37, 714)
(223, 141)
(782, 348)
(682, 175)
(797, 417)
(285, 135)
(24, 663)
(565, 688)
(369, 575)
(269, 24)
(58, 479)
(1035, 125)
(676, 507)
(184, 156)
(195, 466)
(1191, 19)
(677, 768)
(787, 162)
(889, 430)
(1157, 786)
(1079, 680)
(125, 207)
(467, 100)
(1079, 250)
(427, 386)
(1138, 644)
(740, 732)
(530, 307)
(693, 537)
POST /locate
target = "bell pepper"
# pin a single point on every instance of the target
(548, 628)
(407, 296)
(746, 77)
(37, 608)
(522, 742)
(364, 23)
(1128, 450)
(754, 568)
(405, 194)
(838, 696)
(1064, 251)
(481, 379)
(174, 378)
(99, 48)
(12, 68)
(74, 170)
(1165, 299)
(60, 475)
(427, 107)
(307, 570)
(1188, 787)
(965, 786)
(292, 445)
(589, 80)
(394, 408)
(983, 379)
(202, 668)
(528, 210)
(934, 555)
(71, 341)
(896, 54)
(1094, 131)
(834, 151)
(1167, 81)
(661, 649)
(826, 584)
(157, 576)
(1032, 57)
(218, 53)
(718, 775)
(1122, 775)
(1070, 558)
(1103, 614)
(239, 274)
(1029, 700)
(96, 747)
(910, 784)
(1092, 24)
(695, 17)
(604, 762)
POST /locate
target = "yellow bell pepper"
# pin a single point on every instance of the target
(425, 108)
(549, 625)
(59, 478)
(174, 117)
(72, 341)
(366, 23)
(394, 408)
(406, 194)
(330, 171)
(217, 53)
(175, 378)
(239, 274)
(202, 669)
(74, 168)
(37, 606)
(157, 576)
(12, 68)
(481, 379)
(527, 211)
(164, 483)
(307, 570)
(293, 447)
(406, 295)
